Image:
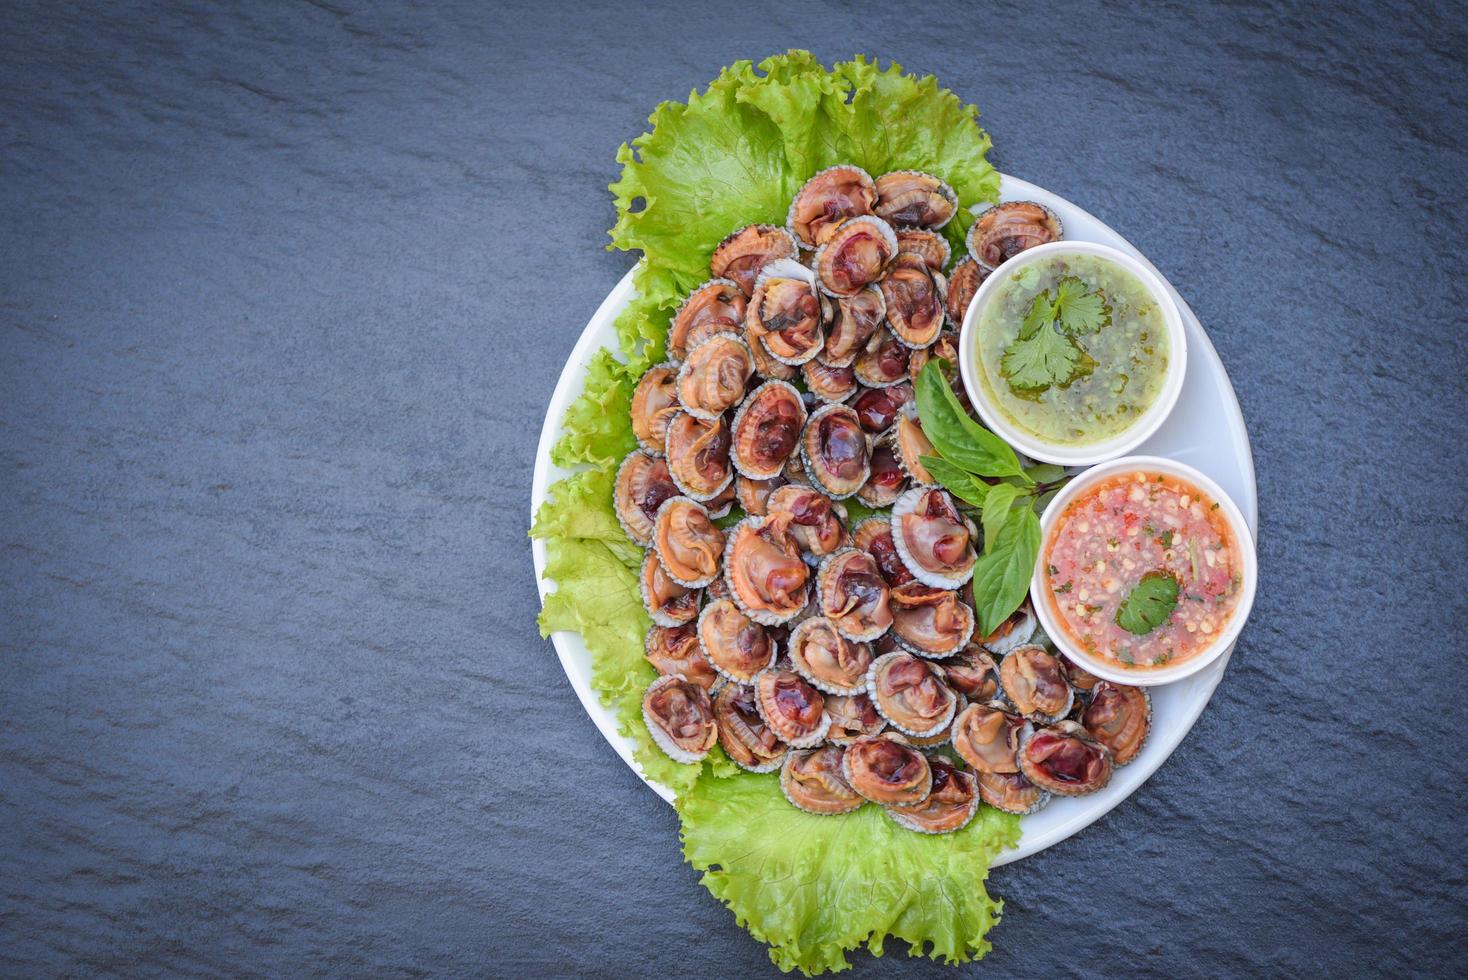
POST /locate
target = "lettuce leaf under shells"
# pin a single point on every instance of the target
(814, 888)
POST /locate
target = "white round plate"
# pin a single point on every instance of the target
(1205, 430)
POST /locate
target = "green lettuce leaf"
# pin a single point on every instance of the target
(597, 428)
(705, 169)
(815, 888)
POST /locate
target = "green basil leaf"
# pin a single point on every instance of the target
(996, 511)
(1045, 473)
(1002, 574)
(1149, 604)
(957, 481)
(1043, 501)
(958, 438)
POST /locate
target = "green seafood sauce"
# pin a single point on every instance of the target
(1098, 374)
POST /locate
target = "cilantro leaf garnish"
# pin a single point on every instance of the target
(1041, 314)
(1042, 360)
(1079, 309)
(1044, 353)
(1149, 604)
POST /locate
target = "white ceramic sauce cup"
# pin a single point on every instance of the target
(1030, 444)
(1243, 544)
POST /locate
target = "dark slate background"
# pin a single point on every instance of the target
(285, 292)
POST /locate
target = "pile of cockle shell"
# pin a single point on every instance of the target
(842, 655)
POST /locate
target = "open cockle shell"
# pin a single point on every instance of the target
(951, 803)
(858, 254)
(697, 451)
(746, 739)
(1119, 717)
(1008, 228)
(828, 198)
(879, 408)
(785, 313)
(888, 480)
(852, 716)
(909, 445)
(716, 306)
(1017, 630)
(933, 247)
(911, 694)
(766, 575)
(833, 663)
(933, 537)
(914, 199)
(1011, 792)
(874, 536)
(817, 523)
(945, 347)
(688, 545)
(744, 253)
(680, 718)
(829, 384)
(915, 296)
(930, 622)
(887, 770)
(987, 737)
(794, 710)
(667, 602)
(733, 644)
(674, 650)
(963, 282)
(639, 489)
(853, 596)
(973, 673)
(1064, 760)
(754, 495)
(766, 430)
(714, 377)
(834, 450)
(883, 362)
(811, 780)
(1033, 682)
(654, 403)
(854, 320)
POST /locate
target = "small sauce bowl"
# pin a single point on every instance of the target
(1074, 455)
(1243, 545)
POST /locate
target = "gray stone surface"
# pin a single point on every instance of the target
(285, 291)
